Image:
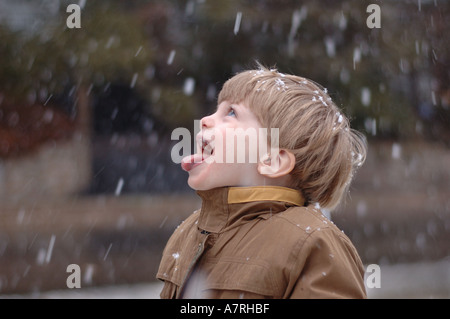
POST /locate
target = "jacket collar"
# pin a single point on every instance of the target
(227, 207)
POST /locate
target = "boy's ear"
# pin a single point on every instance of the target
(277, 165)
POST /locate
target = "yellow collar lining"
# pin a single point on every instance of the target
(264, 193)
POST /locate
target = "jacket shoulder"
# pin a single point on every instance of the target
(326, 260)
(310, 220)
(315, 227)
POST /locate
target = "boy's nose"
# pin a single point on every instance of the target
(207, 122)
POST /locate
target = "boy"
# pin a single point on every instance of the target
(260, 232)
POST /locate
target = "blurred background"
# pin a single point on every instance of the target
(86, 116)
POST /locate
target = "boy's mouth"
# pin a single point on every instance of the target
(206, 150)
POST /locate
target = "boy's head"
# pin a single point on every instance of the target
(317, 150)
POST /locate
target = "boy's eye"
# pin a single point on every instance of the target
(231, 112)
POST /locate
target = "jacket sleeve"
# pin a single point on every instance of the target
(327, 266)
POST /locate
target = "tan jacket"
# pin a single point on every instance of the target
(259, 242)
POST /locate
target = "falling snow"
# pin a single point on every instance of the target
(171, 57)
(189, 86)
(356, 57)
(365, 96)
(49, 252)
(237, 23)
(133, 80)
(396, 150)
(119, 187)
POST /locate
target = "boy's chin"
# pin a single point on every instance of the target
(196, 185)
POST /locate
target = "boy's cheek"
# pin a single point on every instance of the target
(240, 150)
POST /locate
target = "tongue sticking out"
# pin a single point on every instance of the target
(189, 162)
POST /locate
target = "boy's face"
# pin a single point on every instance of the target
(227, 149)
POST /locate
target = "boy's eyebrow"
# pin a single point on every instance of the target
(235, 105)
(225, 105)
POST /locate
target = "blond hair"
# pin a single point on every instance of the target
(311, 126)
